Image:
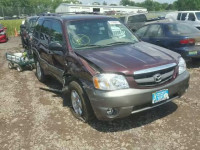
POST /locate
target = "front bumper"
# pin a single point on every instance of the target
(128, 101)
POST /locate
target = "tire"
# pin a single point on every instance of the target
(10, 65)
(80, 105)
(19, 68)
(39, 72)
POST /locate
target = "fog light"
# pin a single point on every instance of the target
(110, 111)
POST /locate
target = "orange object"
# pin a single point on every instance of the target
(16, 33)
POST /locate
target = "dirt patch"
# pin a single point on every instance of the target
(32, 118)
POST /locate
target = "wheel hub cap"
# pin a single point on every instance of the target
(76, 102)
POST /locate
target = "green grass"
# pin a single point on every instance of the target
(11, 25)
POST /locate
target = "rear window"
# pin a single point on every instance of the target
(178, 29)
(137, 18)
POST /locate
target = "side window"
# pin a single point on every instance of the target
(183, 17)
(179, 16)
(37, 28)
(140, 33)
(56, 32)
(191, 17)
(154, 31)
(45, 31)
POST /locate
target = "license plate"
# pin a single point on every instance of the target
(160, 96)
(193, 53)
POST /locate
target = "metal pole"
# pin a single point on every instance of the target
(2, 12)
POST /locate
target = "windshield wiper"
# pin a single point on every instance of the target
(116, 43)
(90, 46)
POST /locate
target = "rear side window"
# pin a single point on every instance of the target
(45, 31)
(183, 17)
(56, 32)
(154, 31)
(38, 28)
(179, 16)
(178, 29)
(141, 32)
(191, 17)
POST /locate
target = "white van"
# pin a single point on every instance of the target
(191, 17)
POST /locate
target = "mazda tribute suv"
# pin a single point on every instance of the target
(105, 70)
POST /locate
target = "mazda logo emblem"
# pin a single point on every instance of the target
(157, 78)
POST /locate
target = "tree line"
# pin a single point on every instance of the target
(156, 6)
(30, 7)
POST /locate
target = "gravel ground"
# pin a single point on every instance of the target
(34, 119)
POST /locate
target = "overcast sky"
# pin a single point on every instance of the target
(117, 1)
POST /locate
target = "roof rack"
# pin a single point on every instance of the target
(66, 13)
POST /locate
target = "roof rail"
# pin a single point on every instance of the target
(66, 13)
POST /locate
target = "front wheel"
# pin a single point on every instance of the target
(81, 107)
(39, 72)
(19, 68)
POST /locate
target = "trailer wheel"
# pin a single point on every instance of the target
(19, 68)
(10, 65)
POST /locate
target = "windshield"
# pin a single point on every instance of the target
(178, 29)
(198, 15)
(98, 33)
(1, 26)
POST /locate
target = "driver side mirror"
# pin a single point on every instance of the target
(55, 46)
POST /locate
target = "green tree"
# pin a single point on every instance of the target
(104, 3)
(127, 2)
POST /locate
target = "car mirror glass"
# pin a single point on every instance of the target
(55, 46)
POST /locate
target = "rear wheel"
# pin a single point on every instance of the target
(39, 72)
(81, 107)
(10, 65)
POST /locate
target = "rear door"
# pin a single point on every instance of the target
(156, 35)
(58, 60)
(44, 43)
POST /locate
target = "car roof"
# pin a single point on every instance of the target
(187, 11)
(32, 17)
(76, 17)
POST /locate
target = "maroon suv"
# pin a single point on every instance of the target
(105, 69)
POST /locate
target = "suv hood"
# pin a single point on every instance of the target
(129, 58)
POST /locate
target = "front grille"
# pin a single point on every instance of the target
(154, 76)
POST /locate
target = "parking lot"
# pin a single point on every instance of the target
(31, 117)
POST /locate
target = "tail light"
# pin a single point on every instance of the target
(187, 41)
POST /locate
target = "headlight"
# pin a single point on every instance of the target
(110, 82)
(181, 66)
